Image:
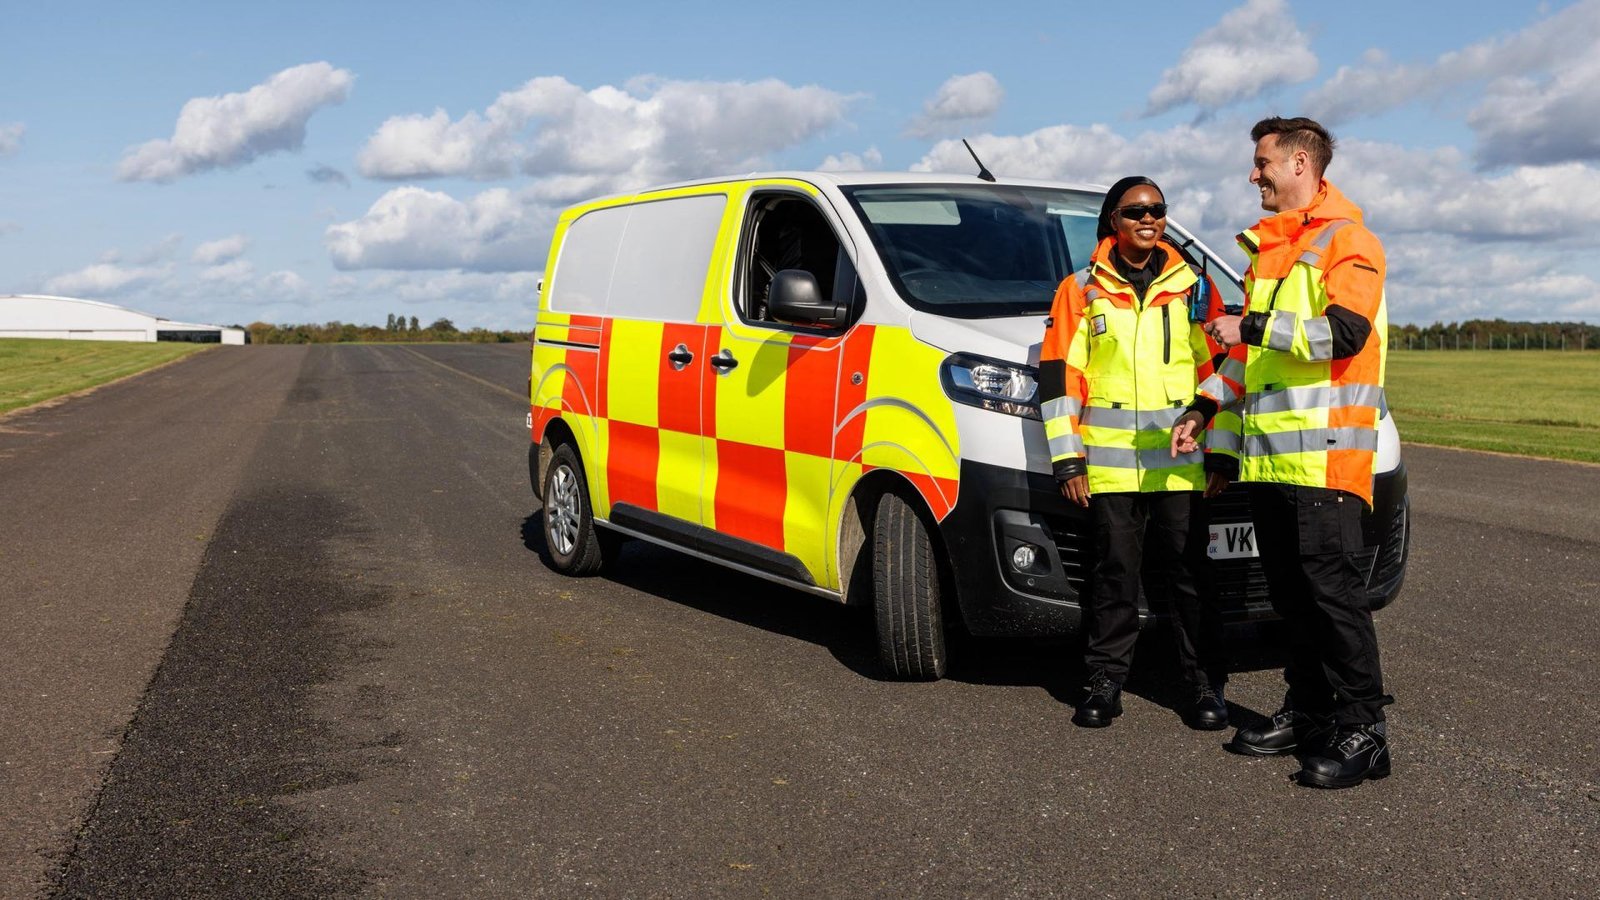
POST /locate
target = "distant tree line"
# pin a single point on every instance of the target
(1495, 334)
(398, 329)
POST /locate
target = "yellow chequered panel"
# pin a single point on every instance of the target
(805, 512)
(907, 406)
(750, 398)
(678, 474)
(633, 376)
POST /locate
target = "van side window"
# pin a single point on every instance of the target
(786, 231)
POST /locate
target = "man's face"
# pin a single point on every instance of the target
(1274, 172)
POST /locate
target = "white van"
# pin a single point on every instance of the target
(828, 380)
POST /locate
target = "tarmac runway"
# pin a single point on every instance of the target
(276, 624)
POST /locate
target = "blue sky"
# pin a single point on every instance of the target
(299, 162)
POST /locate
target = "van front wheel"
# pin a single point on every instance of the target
(569, 529)
(906, 596)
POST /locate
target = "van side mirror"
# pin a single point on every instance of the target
(796, 297)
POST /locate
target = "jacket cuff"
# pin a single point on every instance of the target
(1253, 328)
(1205, 406)
(1224, 464)
(1068, 469)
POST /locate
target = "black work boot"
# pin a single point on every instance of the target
(1288, 730)
(1102, 701)
(1356, 753)
(1208, 711)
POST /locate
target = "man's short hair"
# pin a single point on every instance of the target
(1299, 133)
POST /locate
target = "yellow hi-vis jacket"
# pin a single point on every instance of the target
(1308, 379)
(1115, 373)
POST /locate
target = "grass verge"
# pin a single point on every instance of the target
(1531, 403)
(34, 370)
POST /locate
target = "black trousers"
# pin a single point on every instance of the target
(1171, 528)
(1308, 537)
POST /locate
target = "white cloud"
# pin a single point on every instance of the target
(233, 129)
(1527, 120)
(1541, 94)
(1254, 48)
(11, 137)
(865, 161)
(576, 142)
(413, 228)
(221, 250)
(105, 279)
(962, 101)
(238, 271)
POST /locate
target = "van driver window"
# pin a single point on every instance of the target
(788, 232)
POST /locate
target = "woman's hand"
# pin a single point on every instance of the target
(1076, 489)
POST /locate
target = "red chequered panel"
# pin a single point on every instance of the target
(809, 396)
(939, 492)
(751, 489)
(679, 392)
(581, 385)
(541, 419)
(856, 358)
(635, 452)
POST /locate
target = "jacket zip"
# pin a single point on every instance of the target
(1166, 332)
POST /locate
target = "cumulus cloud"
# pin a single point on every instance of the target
(221, 250)
(105, 280)
(236, 271)
(962, 101)
(865, 161)
(323, 174)
(11, 137)
(413, 228)
(576, 142)
(1541, 94)
(1253, 48)
(233, 129)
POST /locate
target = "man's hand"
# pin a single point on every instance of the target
(1076, 489)
(1224, 330)
(1216, 483)
(1184, 431)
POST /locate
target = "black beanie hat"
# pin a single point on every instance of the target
(1104, 230)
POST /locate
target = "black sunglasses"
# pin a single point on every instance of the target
(1135, 213)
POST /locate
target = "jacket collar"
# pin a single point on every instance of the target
(1101, 266)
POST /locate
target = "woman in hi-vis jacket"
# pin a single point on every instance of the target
(1123, 352)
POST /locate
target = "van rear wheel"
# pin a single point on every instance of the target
(576, 547)
(906, 594)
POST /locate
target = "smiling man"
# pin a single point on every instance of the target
(1305, 370)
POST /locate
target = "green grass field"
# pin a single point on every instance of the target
(1532, 403)
(32, 370)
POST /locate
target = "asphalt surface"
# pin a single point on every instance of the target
(278, 626)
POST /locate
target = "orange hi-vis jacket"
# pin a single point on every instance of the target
(1308, 379)
(1116, 372)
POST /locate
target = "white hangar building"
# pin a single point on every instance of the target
(40, 316)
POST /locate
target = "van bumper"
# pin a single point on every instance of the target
(1000, 510)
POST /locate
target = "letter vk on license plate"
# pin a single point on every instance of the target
(1232, 540)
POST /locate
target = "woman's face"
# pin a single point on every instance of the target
(1138, 236)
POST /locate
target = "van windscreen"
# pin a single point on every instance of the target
(978, 251)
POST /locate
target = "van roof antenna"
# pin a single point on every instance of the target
(983, 171)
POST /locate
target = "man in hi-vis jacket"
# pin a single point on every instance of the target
(1305, 373)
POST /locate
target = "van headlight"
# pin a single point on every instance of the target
(992, 384)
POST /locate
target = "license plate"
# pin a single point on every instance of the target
(1232, 540)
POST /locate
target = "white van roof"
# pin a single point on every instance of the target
(860, 178)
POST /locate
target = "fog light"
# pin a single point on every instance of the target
(1022, 558)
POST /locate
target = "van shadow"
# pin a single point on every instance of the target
(847, 632)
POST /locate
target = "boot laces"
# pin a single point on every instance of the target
(1101, 686)
(1351, 742)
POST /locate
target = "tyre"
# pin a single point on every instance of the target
(906, 593)
(576, 547)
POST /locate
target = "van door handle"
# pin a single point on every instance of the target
(680, 357)
(724, 362)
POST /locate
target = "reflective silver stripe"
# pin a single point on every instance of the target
(1061, 407)
(1224, 439)
(1314, 397)
(1282, 336)
(1319, 244)
(1319, 333)
(1124, 458)
(1311, 440)
(1091, 295)
(1082, 276)
(1065, 444)
(1215, 386)
(1232, 369)
(1131, 419)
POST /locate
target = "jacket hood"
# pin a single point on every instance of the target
(1328, 204)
